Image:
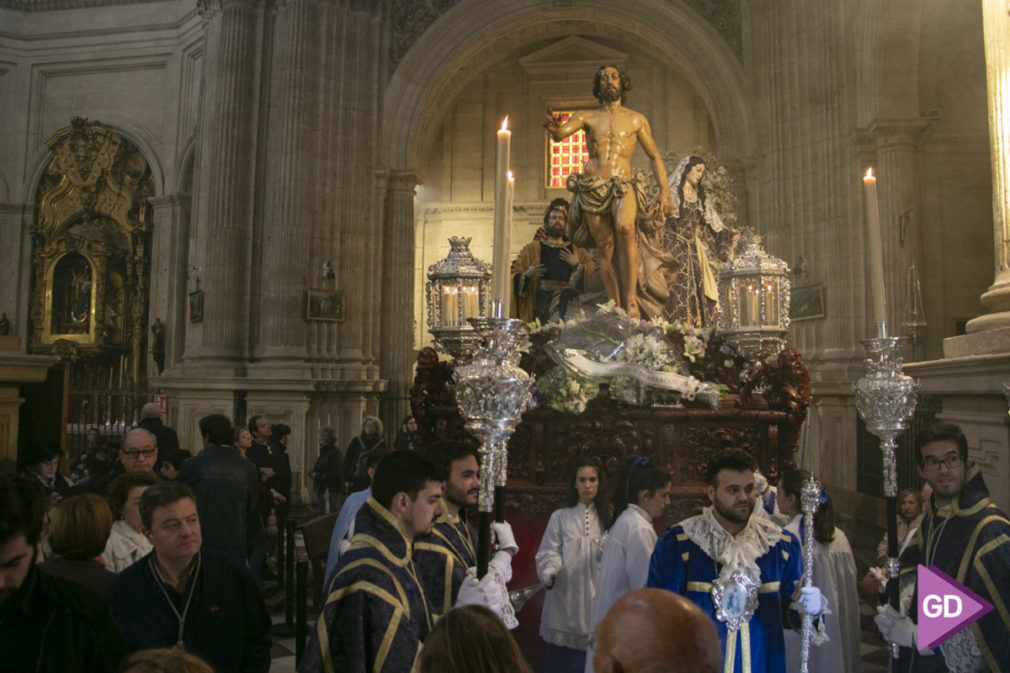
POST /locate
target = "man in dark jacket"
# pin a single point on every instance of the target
(150, 420)
(327, 476)
(49, 623)
(182, 596)
(225, 488)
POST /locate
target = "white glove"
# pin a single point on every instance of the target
(810, 602)
(501, 534)
(894, 627)
(880, 575)
(473, 592)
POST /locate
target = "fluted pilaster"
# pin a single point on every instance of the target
(170, 229)
(397, 354)
(223, 203)
(996, 27)
(287, 263)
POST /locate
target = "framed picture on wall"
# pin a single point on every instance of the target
(806, 302)
(196, 306)
(324, 305)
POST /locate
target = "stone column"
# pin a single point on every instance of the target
(288, 265)
(991, 332)
(223, 199)
(396, 362)
(170, 240)
(895, 143)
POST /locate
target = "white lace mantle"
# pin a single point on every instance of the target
(733, 552)
(962, 653)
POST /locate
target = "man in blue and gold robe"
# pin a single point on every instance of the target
(743, 571)
(376, 613)
(966, 536)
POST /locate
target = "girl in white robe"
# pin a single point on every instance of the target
(568, 562)
(834, 574)
(641, 494)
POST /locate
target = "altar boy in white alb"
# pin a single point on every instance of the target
(743, 570)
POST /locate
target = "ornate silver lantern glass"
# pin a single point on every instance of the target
(754, 301)
(457, 290)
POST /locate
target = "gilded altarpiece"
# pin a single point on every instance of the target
(91, 256)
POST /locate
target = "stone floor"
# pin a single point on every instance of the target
(863, 539)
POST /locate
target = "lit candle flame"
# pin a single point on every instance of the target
(869, 174)
(505, 123)
(511, 177)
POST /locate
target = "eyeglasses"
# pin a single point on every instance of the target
(134, 455)
(951, 461)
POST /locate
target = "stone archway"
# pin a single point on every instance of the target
(467, 38)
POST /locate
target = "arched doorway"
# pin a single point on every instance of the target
(90, 285)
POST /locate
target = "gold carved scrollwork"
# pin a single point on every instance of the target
(90, 243)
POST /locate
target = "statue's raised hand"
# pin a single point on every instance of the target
(552, 122)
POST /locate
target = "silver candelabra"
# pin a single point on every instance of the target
(885, 398)
(493, 392)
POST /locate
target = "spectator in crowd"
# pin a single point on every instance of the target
(408, 437)
(169, 468)
(355, 457)
(471, 639)
(78, 531)
(96, 459)
(138, 453)
(656, 631)
(165, 437)
(225, 486)
(127, 543)
(40, 462)
(242, 441)
(49, 623)
(183, 596)
(327, 475)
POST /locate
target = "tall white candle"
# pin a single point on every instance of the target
(502, 216)
(874, 248)
(510, 191)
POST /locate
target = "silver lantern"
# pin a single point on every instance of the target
(457, 290)
(754, 301)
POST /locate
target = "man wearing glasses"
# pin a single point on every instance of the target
(139, 453)
(966, 536)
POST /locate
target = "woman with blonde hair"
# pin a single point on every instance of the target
(471, 639)
(164, 660)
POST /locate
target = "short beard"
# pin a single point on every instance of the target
(730, 515)
(609, 96)
(557, 231)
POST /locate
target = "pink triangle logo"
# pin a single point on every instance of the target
(945, 606)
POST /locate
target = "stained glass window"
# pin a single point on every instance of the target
(566, 156)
